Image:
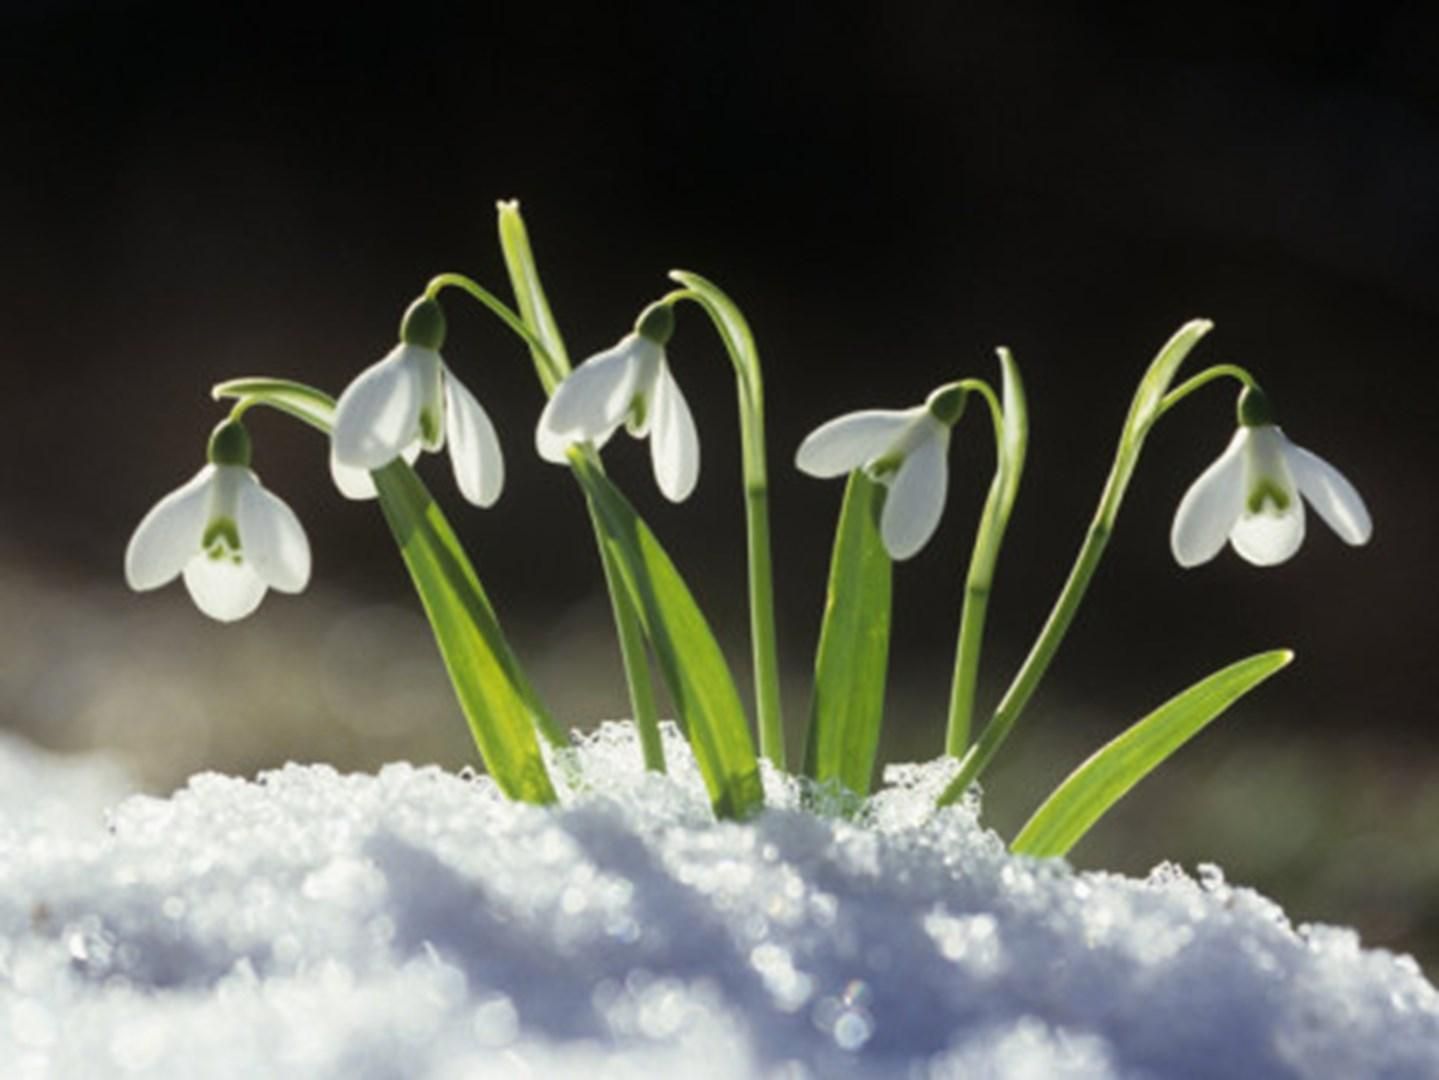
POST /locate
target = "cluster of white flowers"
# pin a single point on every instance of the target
(232, 539)
(1250, 496)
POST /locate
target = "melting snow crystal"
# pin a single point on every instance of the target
(414, 923)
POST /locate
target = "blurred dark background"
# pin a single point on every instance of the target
(189, 194)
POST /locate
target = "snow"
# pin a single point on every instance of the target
(415, 924)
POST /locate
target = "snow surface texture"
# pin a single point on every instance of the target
(415, 924)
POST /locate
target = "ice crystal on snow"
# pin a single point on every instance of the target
(415, 923)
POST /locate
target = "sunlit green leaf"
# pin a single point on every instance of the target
(501, 708)
(1088, 793)
(690, 659)
(847, 709)
(498, 701)
(553, 364)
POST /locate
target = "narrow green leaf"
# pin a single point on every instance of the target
(689, 658)
(498, 701)
(554, 363)
(847, 708)
(1088, 793)
(1149, 397)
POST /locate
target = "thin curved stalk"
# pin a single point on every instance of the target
(1011, 437)
(1147, 406)
(739, 343)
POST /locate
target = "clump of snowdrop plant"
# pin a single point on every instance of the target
(232, 539)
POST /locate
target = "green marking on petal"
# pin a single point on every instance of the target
(429, 427)
(1267, 491)
(635, 421)
(221, 537)
(882, 469)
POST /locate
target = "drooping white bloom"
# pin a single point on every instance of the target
(628, 384)
(230, 538)
(1250, 496)
(410, 401)
(904, 449)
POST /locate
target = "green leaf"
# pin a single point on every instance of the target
(501, 707)
(847, 709)
(1148, 398)
(1088, 793)
(498, 701)
(554, 363)
(689, 658)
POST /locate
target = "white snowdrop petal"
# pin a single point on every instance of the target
(915, 500)
(1210, 507)
(1331, 494)
(378, 415)
(474, 446)
(674, 442)
(848, 442)
(272, 540)
(353, 483)
(224, 589)
(592, 401)
(356, 483)
(169, 534)
(1268, 539)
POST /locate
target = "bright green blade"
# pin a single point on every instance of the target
(554, 363)
(498, 701)
(1088, 793)
(690, 659)
(847, 708)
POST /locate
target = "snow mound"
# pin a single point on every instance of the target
(416, 924)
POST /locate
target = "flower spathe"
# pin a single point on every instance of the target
(410, 401)
(228, 536)
(904, 449)
(628, 384)
(1251, 497)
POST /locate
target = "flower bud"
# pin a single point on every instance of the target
(424, 324)
(656, 323)
(947, 404)
(229, 444)
(1253, 408)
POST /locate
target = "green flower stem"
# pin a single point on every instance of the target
(739, 343)
(545, 364)
(1011, 430)
(536, 324)
(627, 628)
(1208, 375)
(1148, 405)
(551, 371)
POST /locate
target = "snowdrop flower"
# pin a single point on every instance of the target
(628, 384)
(904, 449)
(228, 536)
(1251, 496)
(410, 401)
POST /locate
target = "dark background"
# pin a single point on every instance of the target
(889, 192)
